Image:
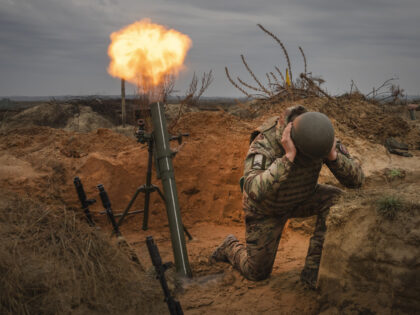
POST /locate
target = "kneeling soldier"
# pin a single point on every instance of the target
(280, 182)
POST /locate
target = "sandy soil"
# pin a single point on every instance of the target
(40, 163)
(219, 289)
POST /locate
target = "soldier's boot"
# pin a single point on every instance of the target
(309, 277)
(220, 252)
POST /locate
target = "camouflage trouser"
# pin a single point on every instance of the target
(263, 233)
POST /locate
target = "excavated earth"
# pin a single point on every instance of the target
(39, 163)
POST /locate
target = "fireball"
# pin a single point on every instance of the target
(144, 53)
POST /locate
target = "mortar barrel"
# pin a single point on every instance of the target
(165, 166)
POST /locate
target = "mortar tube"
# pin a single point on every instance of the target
(165, 166)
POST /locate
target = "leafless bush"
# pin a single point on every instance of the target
(396, 92)
(388, 91)
(279, 85)
(193, 94)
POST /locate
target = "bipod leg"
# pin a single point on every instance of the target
(148, 190)
(121, 241)
(187, 233)
(130, 204)
(160, 192)
(148, 187)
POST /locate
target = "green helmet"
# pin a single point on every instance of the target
(313, 134)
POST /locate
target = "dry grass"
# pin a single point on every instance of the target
(51, 262)
(389, 206)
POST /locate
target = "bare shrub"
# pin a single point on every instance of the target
(279, 85)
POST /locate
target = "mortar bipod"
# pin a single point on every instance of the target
(148, 188)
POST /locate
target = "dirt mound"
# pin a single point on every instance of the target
(371, 254)
(356, 117)
(45, 160)
(48, 114)
(207, 168)
(50, 158)
(87, 120)
(52, 263)
(366, 119)
(67, 116)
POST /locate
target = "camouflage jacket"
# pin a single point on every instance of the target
(272, 183)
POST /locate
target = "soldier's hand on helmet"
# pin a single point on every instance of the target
(287, 142)
(332, 156)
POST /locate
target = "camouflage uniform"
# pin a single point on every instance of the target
(275, 190)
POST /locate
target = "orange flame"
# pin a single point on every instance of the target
(144, 53)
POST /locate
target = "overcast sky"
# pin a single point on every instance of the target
(59, 47)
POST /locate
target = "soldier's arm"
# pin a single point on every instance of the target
(263, 181)
(266, 167)
(348, 172)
